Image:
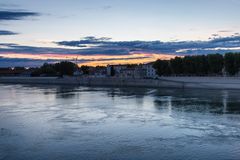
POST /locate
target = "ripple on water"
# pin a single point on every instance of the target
(118, 123)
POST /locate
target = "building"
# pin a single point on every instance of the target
(132, 71)
(98, 71)
(150, 72)
(115, 69)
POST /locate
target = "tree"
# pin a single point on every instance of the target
(36, 72)
(237, 61)
(162, 67)
(66, 68)
(85, 69)
(216, 63)
(230, 62)
(177, 65)
(48, 70)
(201, 65)
(112, 71)
(189, 67)
(19, 68)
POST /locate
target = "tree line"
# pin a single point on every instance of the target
(62, 68)
(57, 69)
(199, 65)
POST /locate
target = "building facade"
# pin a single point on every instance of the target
(150, 71)
(132, 71)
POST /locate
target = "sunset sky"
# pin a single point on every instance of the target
(101, 32)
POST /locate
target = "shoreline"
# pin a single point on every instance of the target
(162, 82)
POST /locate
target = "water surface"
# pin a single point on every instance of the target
(60, 122)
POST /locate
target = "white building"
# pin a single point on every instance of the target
(135, 71)
(150, 71)
(117, 69)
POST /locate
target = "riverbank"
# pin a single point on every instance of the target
(163, 82)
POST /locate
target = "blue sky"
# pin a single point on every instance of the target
(47, 22)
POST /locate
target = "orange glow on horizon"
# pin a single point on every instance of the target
(94, 60)
(150, 58)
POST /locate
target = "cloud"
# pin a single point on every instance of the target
(13, 62)
(86, 40)
(6, 33)
(107, 7)
(16, 14)
(104, 46)
(14, 48)
(215, 35)
(93, 49)
(182, 47)
(6, 15)
(225, 31)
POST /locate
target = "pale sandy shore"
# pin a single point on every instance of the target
(162, 82)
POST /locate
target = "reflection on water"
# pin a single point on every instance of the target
(62, 122)
(211, 101)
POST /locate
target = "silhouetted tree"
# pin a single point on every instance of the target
(112, 71)
(19, 68)
(66, 68)
(85, 69)
(216, 63)
(162, 67)
(230, 62)
(200, 65)
(48, 69)
(237, 61)
(36, 73)
(177, 65)
(189, 65)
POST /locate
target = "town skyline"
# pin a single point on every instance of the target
(114, 32)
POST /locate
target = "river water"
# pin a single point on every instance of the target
(68, 123)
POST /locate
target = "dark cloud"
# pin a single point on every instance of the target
(86, 40)
(26, 62)
(228, 41)
(105, 46)
(215, 35)
(5, 33)
(15, 14)
(45, 50)
(21, 62)
(182, 47)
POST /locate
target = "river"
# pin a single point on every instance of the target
(96, 123)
